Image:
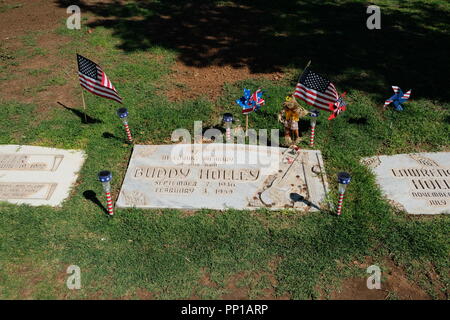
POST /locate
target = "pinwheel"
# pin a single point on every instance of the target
(338, 107)
(398, 98)
(249, 103)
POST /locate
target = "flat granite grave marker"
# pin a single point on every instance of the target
(418, 183)
(37, 175)
(221, 176)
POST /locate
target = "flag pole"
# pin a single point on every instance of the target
(82, 94)
(309, 63)
(84, 106)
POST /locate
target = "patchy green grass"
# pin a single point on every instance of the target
(6, 7)
(38, 72)
(167, 251)
(49, 83)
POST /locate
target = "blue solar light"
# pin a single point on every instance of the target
(227, 117)
(344, 178)
(105, 176)
(314, 113)
(122, 112)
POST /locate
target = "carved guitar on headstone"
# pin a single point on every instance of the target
(278, 188)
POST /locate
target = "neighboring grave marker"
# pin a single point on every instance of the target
(39, 162)
(418, 183)
(222, 176)
(37, 175)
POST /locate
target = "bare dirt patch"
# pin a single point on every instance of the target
(245, 285)
(189, 82)
(19, 17)
(32, 278)
(36, 72)
(38, 20)
(143, 294)
(394, 285)
(236, 291)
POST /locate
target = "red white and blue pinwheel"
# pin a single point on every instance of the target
(250, 102)
(339, 106)
(398, 98)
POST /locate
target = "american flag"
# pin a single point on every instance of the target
(316, 90)
(94, 80)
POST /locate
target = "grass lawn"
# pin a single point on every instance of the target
(168, 254)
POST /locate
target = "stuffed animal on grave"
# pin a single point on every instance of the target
(289, 116)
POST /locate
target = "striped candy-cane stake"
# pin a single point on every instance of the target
(123, 115)
(228, 134)
(227, 120)
(109, 204)
(313, 114)
(311, 140)
(344, 179)
(341, 199)
(127, 130)
(105, 178)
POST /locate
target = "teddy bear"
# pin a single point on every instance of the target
(289, 116)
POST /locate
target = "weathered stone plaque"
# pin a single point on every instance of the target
(418, 183)
(37, 175)
(222, 176)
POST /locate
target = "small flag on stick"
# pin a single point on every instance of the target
(93, 79)
(316, 90)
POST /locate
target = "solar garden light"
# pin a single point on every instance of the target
(123, 115)
(105, 177)
(313, 114)
(343, 179)
(228, 120)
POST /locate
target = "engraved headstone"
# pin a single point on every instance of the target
(37, 175)
(418, 183)
(222, 176)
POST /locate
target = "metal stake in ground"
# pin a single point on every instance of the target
(123, 115)
(343, 180)
(105, 178)
(227, 120)
(313, 114)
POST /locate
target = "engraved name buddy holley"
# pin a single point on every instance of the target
(184, 180)
(202, 173)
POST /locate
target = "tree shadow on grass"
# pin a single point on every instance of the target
(410, 50)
